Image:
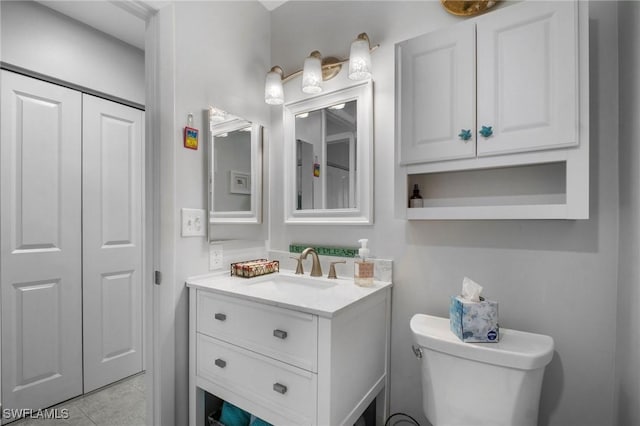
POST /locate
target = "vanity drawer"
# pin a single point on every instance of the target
(282, 334)
(287, 390)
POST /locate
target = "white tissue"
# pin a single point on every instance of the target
(471, 290)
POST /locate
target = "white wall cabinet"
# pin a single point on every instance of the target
(506, 90)
(525, 64)
(288, 366)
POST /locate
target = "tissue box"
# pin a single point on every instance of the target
(474, 321)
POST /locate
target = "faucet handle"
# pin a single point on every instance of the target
(299, 268)
(332, 269)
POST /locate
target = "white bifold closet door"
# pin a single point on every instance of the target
(71, 242)
(40, 226)
(112, 241)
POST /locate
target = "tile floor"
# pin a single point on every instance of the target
(119, 404)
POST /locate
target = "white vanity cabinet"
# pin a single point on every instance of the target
(287, 364)
(493, 115)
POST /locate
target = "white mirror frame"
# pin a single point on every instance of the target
(362, 93)
(254, 215)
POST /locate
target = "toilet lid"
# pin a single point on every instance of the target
(516, 349)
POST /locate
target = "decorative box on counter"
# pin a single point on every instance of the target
(254, 268)
(474, 322)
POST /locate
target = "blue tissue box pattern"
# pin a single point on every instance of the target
(474, 322)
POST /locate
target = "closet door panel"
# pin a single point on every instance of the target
(40, 252)
(112, 237)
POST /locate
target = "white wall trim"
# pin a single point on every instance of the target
(160, 122)
(39, 76)
(141, 9)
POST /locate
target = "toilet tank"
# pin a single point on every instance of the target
(477, 384)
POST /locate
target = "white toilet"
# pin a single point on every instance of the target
(476, 384)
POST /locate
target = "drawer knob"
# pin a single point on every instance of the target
(221, 363)
(280, 334)
(220, 317)
(280, 388)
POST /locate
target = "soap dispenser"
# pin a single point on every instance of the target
(363, 266)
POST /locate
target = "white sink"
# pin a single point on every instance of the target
(291, 286)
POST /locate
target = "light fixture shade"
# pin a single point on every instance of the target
(312, 74)
(273, 90)
(360, 59)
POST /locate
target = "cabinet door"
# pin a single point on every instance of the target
(40, 226)
(437, 95)
(527, 77)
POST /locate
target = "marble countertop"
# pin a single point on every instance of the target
(319, 296)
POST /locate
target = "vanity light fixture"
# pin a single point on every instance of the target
(317, 69)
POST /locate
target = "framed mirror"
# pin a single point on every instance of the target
(235, 171)
(329, 157)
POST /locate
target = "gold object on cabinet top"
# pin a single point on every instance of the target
(467, 8)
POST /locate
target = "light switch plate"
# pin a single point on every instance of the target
(193, 223)
(215, 257)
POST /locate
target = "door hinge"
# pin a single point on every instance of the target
(157, 277)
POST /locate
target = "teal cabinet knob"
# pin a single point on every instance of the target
(464, 134)
(486, 131)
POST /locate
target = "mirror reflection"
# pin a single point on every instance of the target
(328, 163)
(235, 170)
(232, 170)
(326, 145)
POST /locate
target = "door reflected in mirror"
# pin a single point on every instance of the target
(326, 157)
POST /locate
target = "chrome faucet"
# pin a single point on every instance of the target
(316, 270)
